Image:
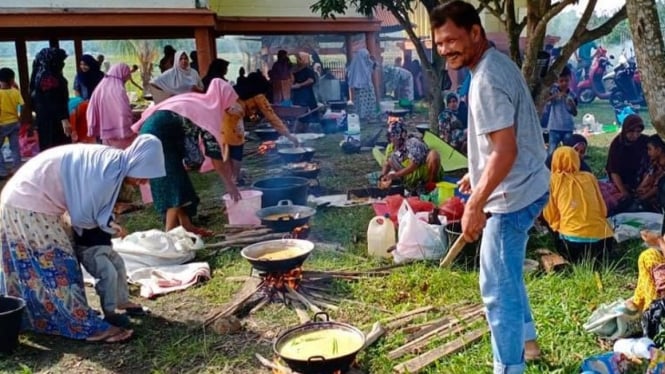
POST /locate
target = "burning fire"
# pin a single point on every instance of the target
(266, 146)
(300, 232)
(278, 281)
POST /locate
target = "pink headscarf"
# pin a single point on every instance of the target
(204, 110)
(109, 114)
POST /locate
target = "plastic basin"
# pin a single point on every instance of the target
(243, 212)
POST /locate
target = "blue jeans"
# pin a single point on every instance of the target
(557, 137)
(10, 131)
(502, 286)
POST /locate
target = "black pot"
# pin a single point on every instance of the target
(297, 216)
(299, 154)
(304, 170)
(282, 188)
(317, 364)
(267, 134)
(253, 252)
(11, 313)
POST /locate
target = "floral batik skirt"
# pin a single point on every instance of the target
(39, 266)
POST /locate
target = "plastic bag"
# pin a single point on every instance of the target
(28, 141)
(417, 240)
(614, 321)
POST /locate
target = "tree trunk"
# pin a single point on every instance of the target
(650, 53)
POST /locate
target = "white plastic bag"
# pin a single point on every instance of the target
(417, 240)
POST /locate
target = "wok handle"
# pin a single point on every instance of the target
(321, 314)
(316, 359)
(285, 202)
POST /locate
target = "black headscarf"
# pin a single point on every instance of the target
(628, 159)
(217, 69)
(48, 62)
(254, 84)
(91, 78)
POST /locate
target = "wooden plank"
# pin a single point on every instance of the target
(416, 364)
(248, 289)
(399, 352)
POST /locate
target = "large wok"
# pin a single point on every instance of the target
(284, 217)
(253, 253)
(318, 364)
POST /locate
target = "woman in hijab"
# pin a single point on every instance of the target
(88, 77)
(281, 78)
(576, 211)
(109, 114)
(409, 159)
(179, 79)
(579, 144)
(50, 98)
(360, 82)
(179, 122)
(647, 191)
(627, 161)
(217, 69)
(37, 256)
(302, 91)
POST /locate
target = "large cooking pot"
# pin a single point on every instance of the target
(282, 188)
(268, 134)
(309, 170)
(324, 361)
(297, 154)
(288, 254)
(284, 217)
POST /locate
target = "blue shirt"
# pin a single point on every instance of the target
(561, 117)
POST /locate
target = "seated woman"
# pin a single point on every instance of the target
(452, 123)
(410, 160)
(576, 211)
(627, 160)
(648, 189)
(646, 290)
(579, 144)
(252, 104)
(179, 79)
(179, 121)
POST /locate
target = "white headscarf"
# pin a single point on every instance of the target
(177, 80)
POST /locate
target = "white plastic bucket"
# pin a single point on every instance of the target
(244, 211)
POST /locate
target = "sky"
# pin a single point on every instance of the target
(601, 5)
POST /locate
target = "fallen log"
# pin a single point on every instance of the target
(416, 364)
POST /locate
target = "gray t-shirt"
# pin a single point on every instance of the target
(499, 98)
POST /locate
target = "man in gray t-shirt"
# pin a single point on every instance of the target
(507, 178)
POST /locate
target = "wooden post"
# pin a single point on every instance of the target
(23, 77)
(78, 52)
(54, 43)
(205, 47)
(371, 41)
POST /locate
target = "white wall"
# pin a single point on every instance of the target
(98, 4)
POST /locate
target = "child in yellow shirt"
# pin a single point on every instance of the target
(10, 100)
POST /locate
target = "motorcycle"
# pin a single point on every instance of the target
(628, 83)
(599, 84)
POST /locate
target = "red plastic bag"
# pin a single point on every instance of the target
(453, 209)
(395, 201)
(28, 141)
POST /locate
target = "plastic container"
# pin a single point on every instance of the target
(243, 212)
(353, 126)
(11, 313)
(380, 236)
(446, 191)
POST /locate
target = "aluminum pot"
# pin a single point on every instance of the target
(318, 364)
(298, 154)
(252, 253)
(287, 216)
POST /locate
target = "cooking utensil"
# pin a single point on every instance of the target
(453, 252)
(282, 188)
(309, 170)
(253, 253)
(318, 364)
(298, 154)
(267, 134)
(290, 216)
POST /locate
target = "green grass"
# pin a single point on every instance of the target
(170, 342)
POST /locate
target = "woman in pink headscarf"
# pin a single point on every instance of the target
(109, 114)
(178, 122)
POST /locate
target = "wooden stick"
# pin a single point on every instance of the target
(374, 334)
(242, 278)
(399, 352)
(243, 227)
(240, 241)
(321, 303)
(441, 321)
(249, 288)
(260, 305)
(456, 330)
(302, 314)
(453, 252)
(416, 364)
(244, 234)
(409, 313)
(273, 365)
(303, 299)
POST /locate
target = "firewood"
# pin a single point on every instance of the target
(248, 289)
(442, 321)
(321, 303)
(244, 234)
(303, 299)
(399, 352)
(244, 241)
(273, 365)
(374, 334)
(243, 227)
(302, 314)
(416, 364)
(408, 314)
(441, 335)
(241, 278)
(260, 305)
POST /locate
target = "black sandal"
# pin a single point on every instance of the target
(137, 311)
